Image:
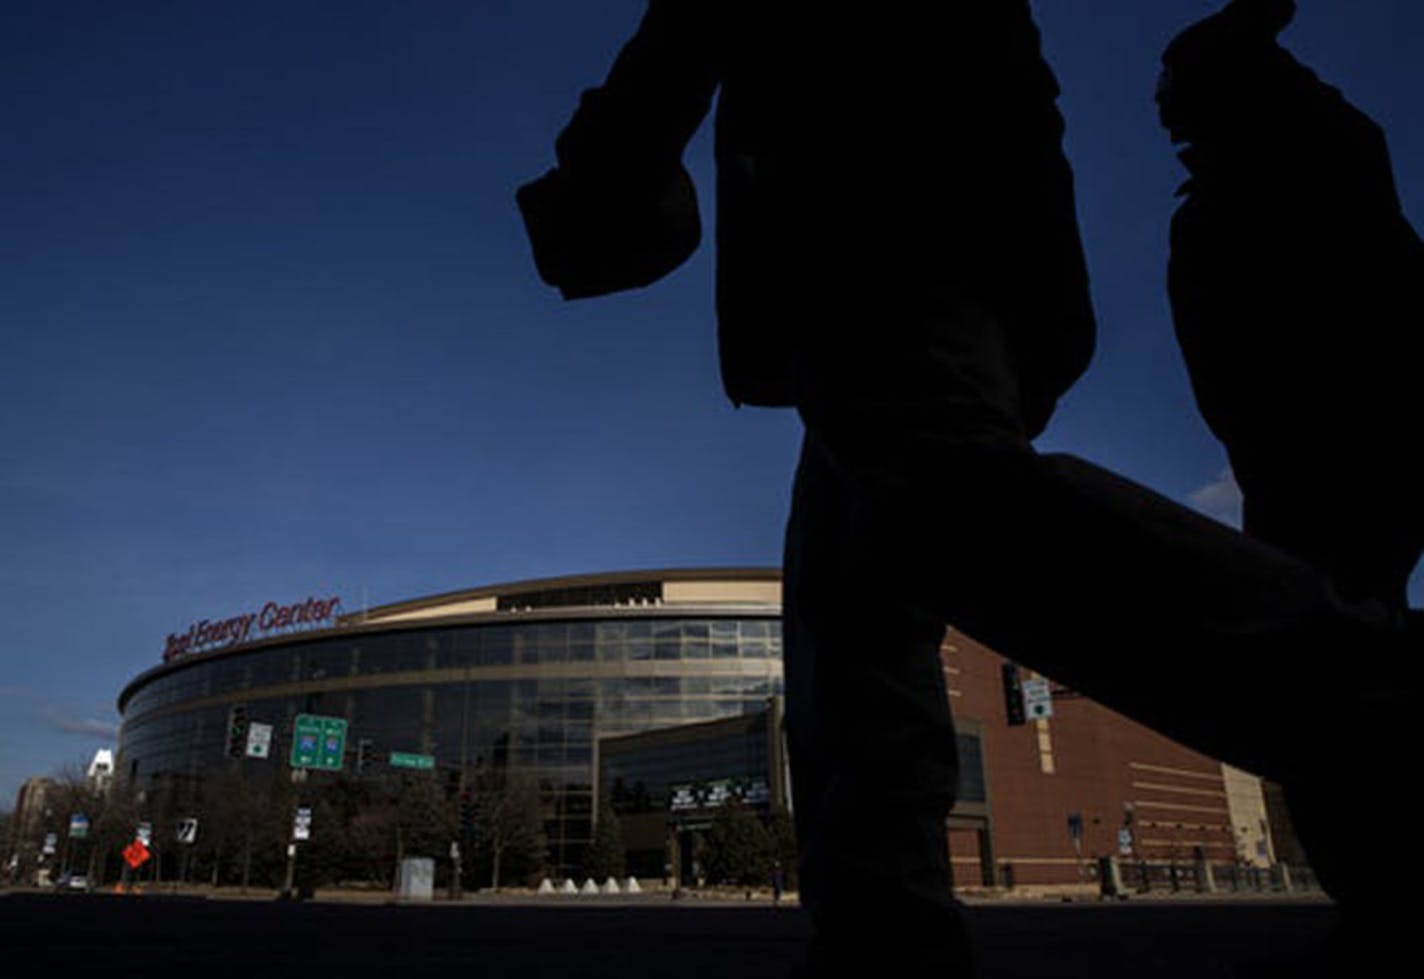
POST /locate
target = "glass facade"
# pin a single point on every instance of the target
(531, 695)
(643, 779)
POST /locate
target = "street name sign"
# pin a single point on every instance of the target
(318, 742)
(404, 759)
(187, 831)
(78, 826)
(259, 740)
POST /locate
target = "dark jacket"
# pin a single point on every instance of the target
(1297, 285)
(864, 159)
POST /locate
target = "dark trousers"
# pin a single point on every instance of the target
(1357, 517)
(919, 503)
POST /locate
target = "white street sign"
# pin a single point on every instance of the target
(49, 841)
(187, 831)
(259, 740)
(301, 824)
(1038, 702)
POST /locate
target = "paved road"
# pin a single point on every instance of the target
(156, 936)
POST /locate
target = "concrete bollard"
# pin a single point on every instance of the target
(1206, 880)
(1110, 878)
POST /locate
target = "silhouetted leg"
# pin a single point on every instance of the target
(1118, 592)
(871, 739)
(1366, 534)
(871, 743)
(1138, 602)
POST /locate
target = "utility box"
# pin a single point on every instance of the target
(417, 879)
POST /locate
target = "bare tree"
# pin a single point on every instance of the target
(102, 806)
(509, 821)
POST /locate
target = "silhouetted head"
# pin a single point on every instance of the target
(1212, 71)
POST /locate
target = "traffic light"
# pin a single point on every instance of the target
(1013, 695)
(365, 754)
(237, 731)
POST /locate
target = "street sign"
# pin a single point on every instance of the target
(301, 823)
(136, 854)
(404, 759)
(144, 834)
(1124, 842)
(78, 826)
(454, 850)
(50, 840)
(318, 742)
(259, 740)
(187, 831)
(1038, 702)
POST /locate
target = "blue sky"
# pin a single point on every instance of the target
(269, 327)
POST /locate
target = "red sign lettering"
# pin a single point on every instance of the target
(207, 634)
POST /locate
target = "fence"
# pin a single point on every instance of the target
(1148, 876)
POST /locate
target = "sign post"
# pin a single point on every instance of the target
(187, 835)
(301, 830)
(1075, 833)
(318, 742)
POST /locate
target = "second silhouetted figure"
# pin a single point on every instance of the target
(1297, 288)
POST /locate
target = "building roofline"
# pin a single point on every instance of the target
(564, 581)
(355, 624)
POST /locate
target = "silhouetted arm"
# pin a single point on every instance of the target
(620, 211)
(656, 95)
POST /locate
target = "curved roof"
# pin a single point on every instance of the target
(742, 586)
(660, 592)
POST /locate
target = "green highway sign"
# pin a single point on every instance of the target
(318, 742)
(404, 759)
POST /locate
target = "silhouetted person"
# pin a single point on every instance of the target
(898, 258)
(1297, 289)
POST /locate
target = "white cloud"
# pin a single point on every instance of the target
(1220, 498)
(87, 726)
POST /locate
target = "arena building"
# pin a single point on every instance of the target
(547, 676)
(524, 675)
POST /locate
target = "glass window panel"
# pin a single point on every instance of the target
(610, 631)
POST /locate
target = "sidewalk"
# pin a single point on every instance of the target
(709, 897)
